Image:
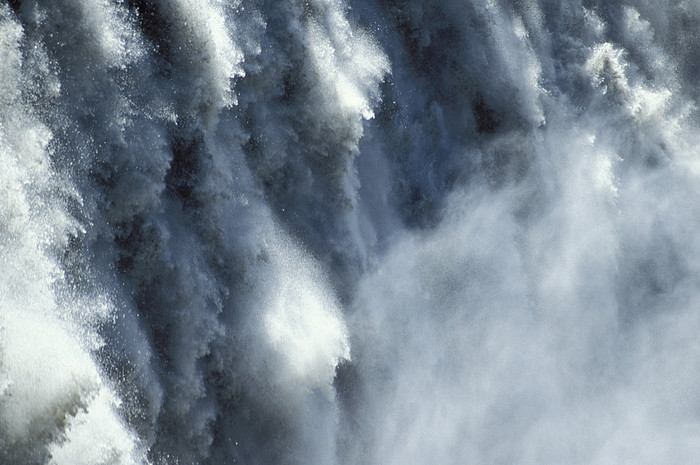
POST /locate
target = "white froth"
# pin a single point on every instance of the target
(303, 320)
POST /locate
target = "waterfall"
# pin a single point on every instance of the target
(352, 232)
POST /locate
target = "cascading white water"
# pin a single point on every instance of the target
(353, 232)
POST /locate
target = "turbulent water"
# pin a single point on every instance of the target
(354, 232)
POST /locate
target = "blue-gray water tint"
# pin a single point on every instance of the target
(353, 232)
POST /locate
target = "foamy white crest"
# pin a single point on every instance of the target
(205, 55)
(302, 319)
(97, 436)
(348, 62)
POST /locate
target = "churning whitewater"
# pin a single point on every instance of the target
(353, 232)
